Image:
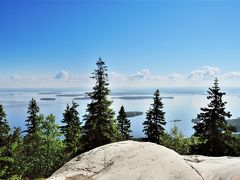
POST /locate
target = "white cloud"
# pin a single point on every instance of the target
(232, 75)
(142, 78)
(143, 74)
(206, 72)
(15, 77)
(175, 76)
(63, 75)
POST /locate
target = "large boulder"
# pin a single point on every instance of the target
(128, 160)
(215, 168)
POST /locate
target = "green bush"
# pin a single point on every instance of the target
(176, 141)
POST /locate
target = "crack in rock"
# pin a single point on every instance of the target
(193, 159)
(195, 170)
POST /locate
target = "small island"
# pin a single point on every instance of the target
(175, 120)
(138, 97)
(69, 95)
(48, 99)
(81, 98)
(48, 93)
(133, 113)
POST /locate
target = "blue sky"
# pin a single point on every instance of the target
(42, 39)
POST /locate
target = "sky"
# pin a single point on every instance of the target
(180, 43)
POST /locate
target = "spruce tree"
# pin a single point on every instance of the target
(42, 150)
(148, 126)
(100, 126)
(4, 128)
(124, 124)
(72, 129)
(153, 126)
(5, 154)
(32, 122)
(32, 143)
(211, 125)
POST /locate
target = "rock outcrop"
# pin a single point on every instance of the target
(130, 160)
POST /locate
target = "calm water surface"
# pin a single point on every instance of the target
(184, 106)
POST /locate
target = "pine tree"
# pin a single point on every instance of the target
(153, 126)
(32, 121)
(5, 154)
(32, 143)
(72, 129)
(32, 151)
(124, 124)
(4, 128)
(211, 125)
(148, 126)
(100, 127)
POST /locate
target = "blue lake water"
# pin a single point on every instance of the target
(184, 106)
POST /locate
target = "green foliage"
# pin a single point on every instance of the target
(72, 130)
(42, 150)
(4, 128)
(211, 125)
(5, 163)
(6, 159)
(15, 177)
(100, 127)
(32, 121)
(124, 124)
(176, 141)
(16, 150)
(153, 126)
(32, 144)
(42, 147)
(32, 156)
(52, 146)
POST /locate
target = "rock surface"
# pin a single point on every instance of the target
(130, 160)
(216, 168)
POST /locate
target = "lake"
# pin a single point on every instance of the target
(180, 104)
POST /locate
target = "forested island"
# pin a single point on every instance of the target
(138, 97)
(130, 114)
(48, 99)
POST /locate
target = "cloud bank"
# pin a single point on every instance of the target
(206, 72)
(142, 78)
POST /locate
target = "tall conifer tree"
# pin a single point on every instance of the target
(124, 124)
(4, 128)
(72, 129)
(32, 141)
(211, 125)
(100, 127)
(153, 126)
(32, 121)
(5, 154)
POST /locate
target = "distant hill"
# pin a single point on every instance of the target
(235, 123)
(230, 122)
